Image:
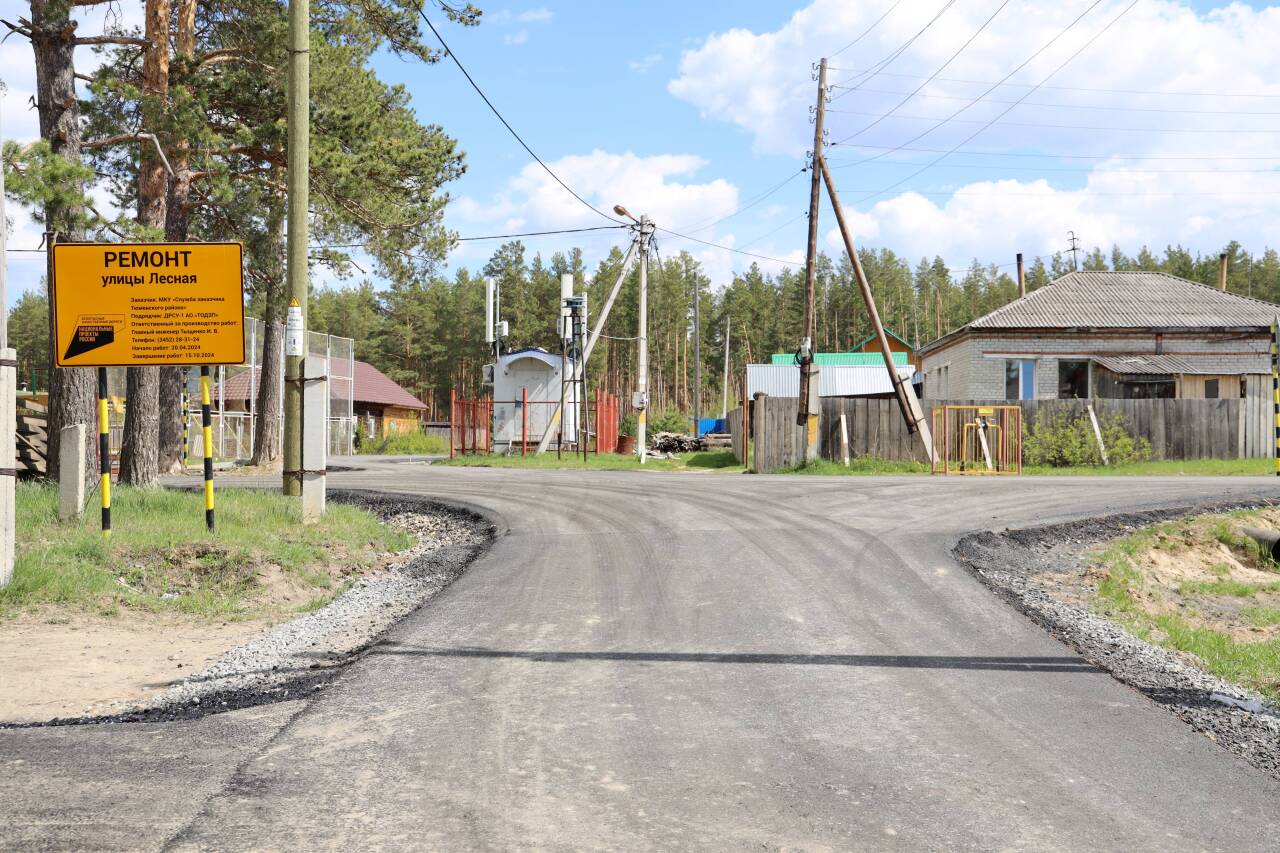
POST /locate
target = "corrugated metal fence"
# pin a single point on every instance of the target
(1177, 429)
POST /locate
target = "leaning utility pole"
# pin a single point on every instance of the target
(810, 404)
(297, 188)
(911, 411)
(697, 358)
(724, 387)
(641, 399)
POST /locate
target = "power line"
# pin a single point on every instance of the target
(1020, 66)
(544, 233)
(1073, 88)
(884, 63)
(929, 79)
(1055, 155)
(865, 32)
(507, 124)
(727, 248)
(750, 204)
(1045, 79)
(989, 123)
(1125, 170)
(1126, 109)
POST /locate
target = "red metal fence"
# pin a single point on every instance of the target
(471, 423)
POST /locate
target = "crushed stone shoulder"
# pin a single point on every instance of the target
(1006, 562)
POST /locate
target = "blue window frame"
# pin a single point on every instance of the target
(1020, 379)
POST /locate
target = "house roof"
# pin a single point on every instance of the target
(889, 333)
(1207, 365)
(783, 380)
(370, 385)
(841, 359)
(1125, 300)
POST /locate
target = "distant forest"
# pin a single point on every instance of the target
(429, 336)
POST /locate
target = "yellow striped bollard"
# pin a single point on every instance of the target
(104, 452)
(206, 425)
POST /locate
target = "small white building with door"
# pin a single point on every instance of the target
(532, 374)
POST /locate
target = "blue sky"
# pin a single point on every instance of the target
(688, 110)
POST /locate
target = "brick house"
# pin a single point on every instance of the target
(1128, 335)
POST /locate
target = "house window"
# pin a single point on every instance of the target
(1073, 380)
(1211, 389)
(1019, 379)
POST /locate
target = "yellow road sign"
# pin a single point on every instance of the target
(136, 304)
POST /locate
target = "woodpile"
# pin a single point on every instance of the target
(33, 440)
(679, 442)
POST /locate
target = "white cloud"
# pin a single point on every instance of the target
(645, 64)
(531, 16)
(761, 83)
(518, 37)
(664, 186)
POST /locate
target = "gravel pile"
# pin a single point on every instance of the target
(304, 654)
(1020, 567)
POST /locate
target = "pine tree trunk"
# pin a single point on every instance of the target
(266, 440)
(72, 391)
(140, 449)
(177, 226)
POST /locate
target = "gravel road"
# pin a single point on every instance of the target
(685, 661)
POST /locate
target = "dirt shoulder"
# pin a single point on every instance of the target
(1173, 603)
(163, 621)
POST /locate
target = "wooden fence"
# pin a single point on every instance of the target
(1177, 429)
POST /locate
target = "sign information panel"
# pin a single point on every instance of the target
(139, 304)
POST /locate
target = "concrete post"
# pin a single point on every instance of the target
(315, 445)
(71, 458)
(8, 458)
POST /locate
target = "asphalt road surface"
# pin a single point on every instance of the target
(684, 661)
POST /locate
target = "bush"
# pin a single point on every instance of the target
(1058, 440)
(671, 420)
(414, 443)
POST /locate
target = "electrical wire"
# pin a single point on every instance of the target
(995, 121)
(884, 63)
(1125, 170)
(1092, 39)
(930, 78)
(507, 124)
(1123, 109)
(1020, 66)
(868, 30)
(1054, 155)
(750, 204)
(727, 248)
(1070, 88)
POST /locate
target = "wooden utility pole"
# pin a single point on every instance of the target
(810, 406)
(1222, 272)
(697, 356)
(911, 411)
(296, 252)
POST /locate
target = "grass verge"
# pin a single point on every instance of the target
(1200, 587)
(261, 562)
(1167, 467)
(706, 460)
(405, 444)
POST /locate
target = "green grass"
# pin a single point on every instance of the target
(1169, 467)
(406, 444)
(1232, 588)
(720, 460)
(1119, 595)
(866, 465)
(161, 558)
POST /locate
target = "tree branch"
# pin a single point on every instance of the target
(139, 42)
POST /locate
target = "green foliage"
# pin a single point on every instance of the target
(405, 444)
(160, 556)
(1056, 439)
(29, 335)
(669, 421)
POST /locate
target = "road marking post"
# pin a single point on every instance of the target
(71, 457)
(206, 427)
(104, 452)
(1275, 386)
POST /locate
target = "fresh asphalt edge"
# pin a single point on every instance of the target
(1006, 562)
(291, 660)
